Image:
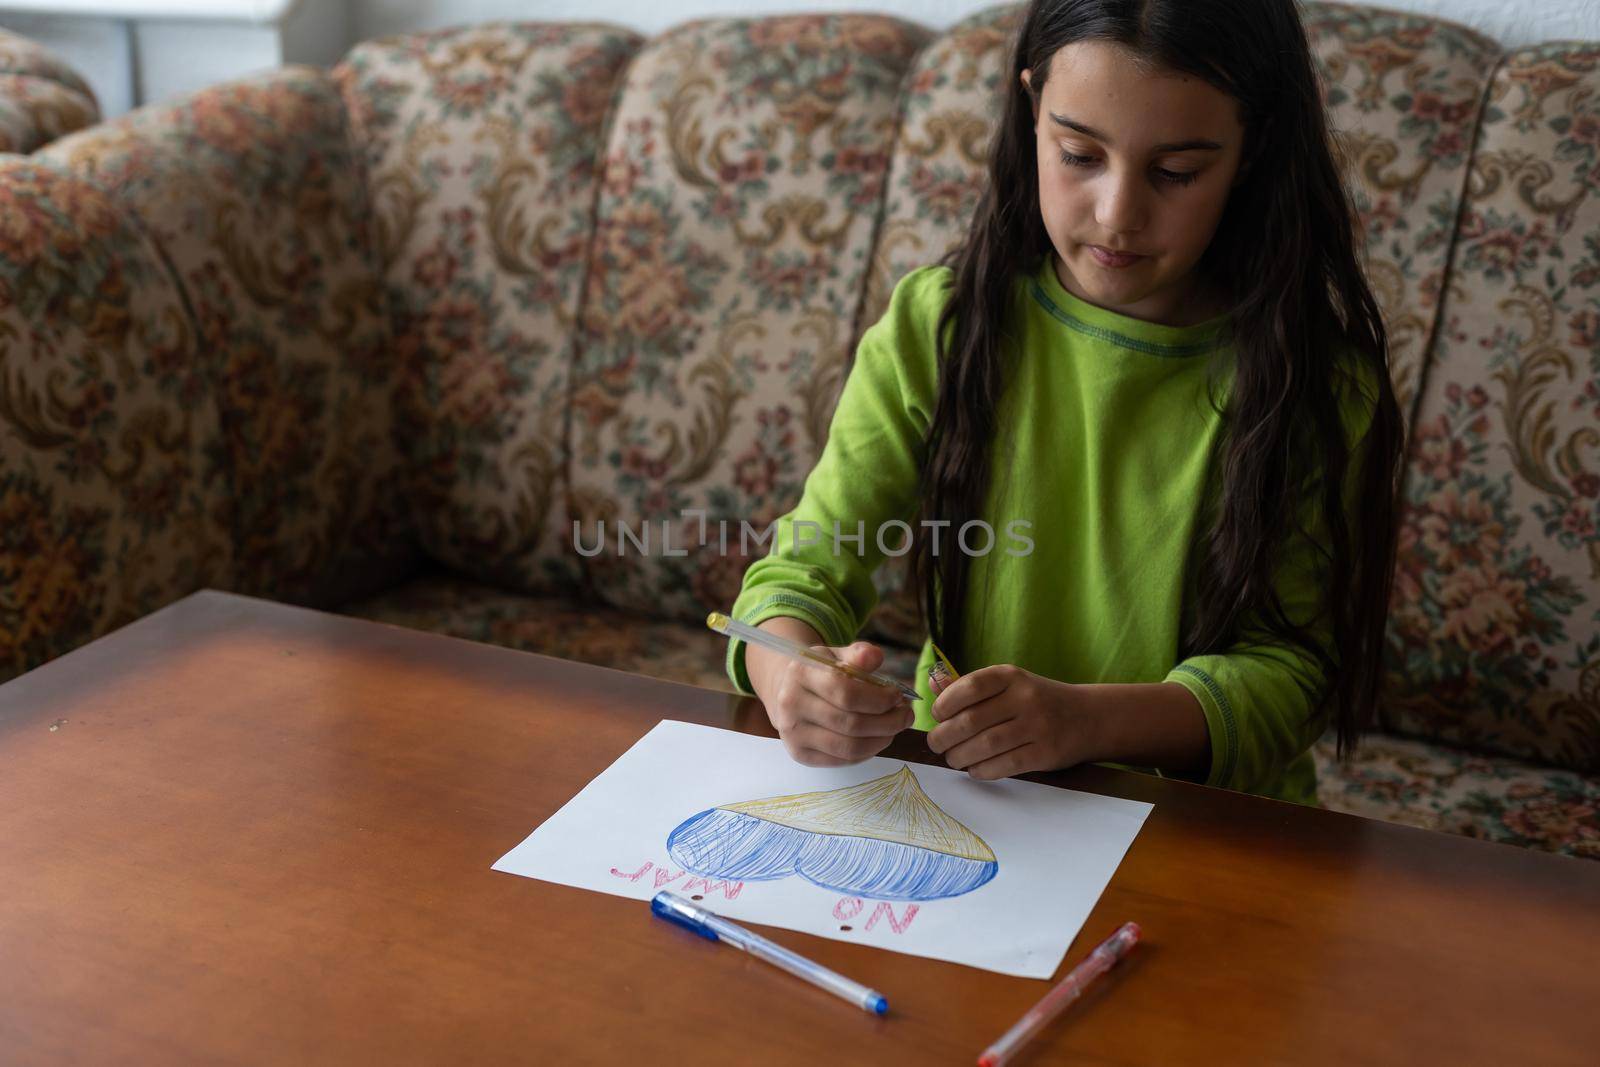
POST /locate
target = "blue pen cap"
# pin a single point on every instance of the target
(673, 908)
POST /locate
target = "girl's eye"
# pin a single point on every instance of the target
(1173, 178)
(1176, 178)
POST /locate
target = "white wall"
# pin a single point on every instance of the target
(1512, 22)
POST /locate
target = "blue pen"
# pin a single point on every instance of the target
(673, 908)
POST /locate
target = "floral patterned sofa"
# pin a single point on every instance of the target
(41, 98)
(374, 339)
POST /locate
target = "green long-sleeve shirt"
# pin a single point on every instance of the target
(1104, 449)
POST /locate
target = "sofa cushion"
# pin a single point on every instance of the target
(112, 503)
(1438, 787)
(41, 98)
(251, 191)
(607, 637)
(1494, 632)
(480, 145)
(743, 174)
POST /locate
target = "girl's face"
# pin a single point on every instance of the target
(1138, 162)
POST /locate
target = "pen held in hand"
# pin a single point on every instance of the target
(942, 673)
(722, 624)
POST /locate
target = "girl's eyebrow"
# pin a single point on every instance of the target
(1090, 131)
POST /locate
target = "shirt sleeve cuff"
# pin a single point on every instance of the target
(1220, 721)
(794, 605)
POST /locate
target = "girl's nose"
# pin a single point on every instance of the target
(1120, 208)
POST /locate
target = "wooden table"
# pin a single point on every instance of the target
(237, 832)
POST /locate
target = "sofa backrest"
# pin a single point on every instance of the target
(742, 178)
(1494, 633)
(1404, 94)
(481, 146)
(765, 185)
(627, 275)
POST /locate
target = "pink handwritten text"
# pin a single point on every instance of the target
(666, 876)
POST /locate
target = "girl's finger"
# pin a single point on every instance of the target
(810, 757)
(851, 694)
(804, 754)
(815, 709)
(986, 744)
(863, 654)
(969, 722)
(969, 689)
(847, 749)
(1019, 760)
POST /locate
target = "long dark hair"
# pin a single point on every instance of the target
(1284, 253)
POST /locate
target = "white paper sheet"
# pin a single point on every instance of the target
(876, 864)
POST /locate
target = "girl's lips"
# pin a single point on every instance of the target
(1113, 259)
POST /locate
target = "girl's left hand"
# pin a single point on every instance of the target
(1002, 720)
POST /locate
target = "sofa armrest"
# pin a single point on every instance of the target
(250, 192)
(111, 503)
(41, 98)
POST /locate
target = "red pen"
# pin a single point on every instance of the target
(1098, 962)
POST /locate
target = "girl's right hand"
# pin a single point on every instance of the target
(828, 719)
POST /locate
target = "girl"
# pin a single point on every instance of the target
(1156, 354)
